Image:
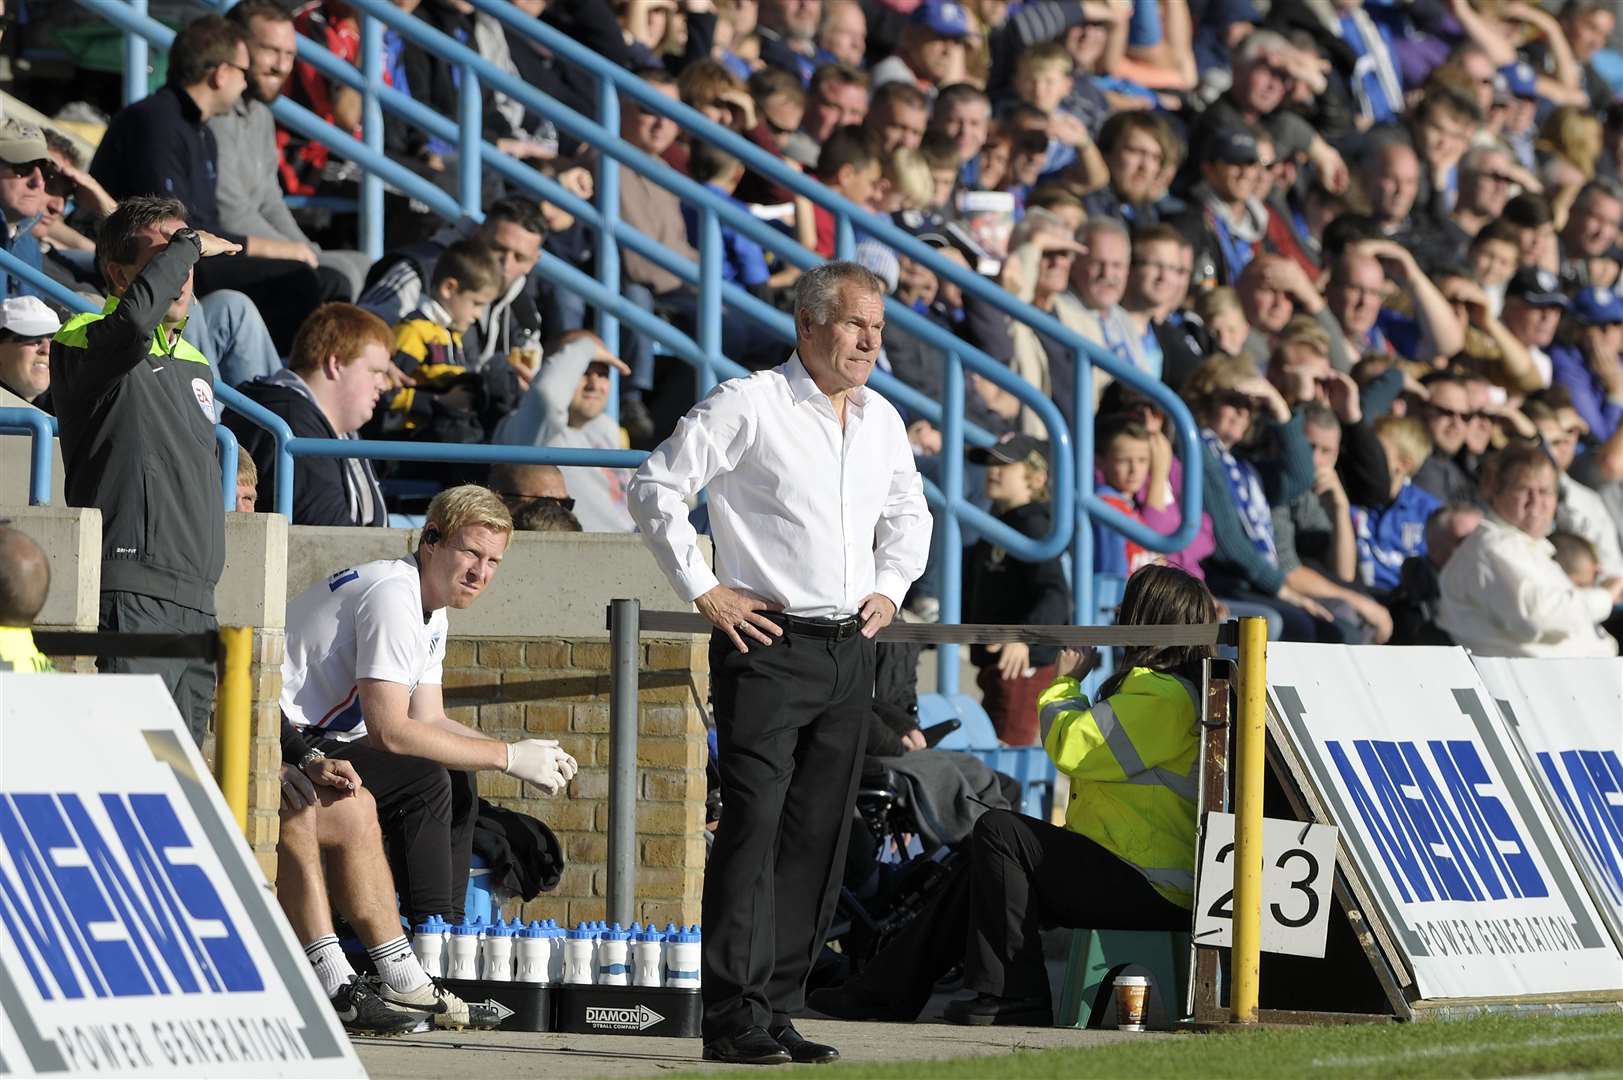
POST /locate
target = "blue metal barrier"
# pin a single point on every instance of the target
(1075, 503)
(42, 428)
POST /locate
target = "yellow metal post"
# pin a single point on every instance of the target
(233, 719)
(1250, 737)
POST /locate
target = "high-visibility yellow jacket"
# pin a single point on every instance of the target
(18, 652)
(1133, 760)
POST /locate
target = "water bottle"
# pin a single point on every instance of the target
(647, 958)
(555, 951)
(532, 946)
(464, 962)
(682, 951)
(497, 959)
(613, 948)
(429, 947)
(578, 948)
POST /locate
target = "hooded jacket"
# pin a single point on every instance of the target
(135, 405)
(326, 491)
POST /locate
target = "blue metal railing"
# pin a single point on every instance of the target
(1072, 461)
(42, 428)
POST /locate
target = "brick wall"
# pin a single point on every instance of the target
(559, 689)
(265, 748)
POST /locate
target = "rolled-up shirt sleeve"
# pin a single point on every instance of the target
(902, 535)
(710, 439)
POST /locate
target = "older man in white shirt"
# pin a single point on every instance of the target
(820, 526)
(1503, 593)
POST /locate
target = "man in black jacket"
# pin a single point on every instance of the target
(339, 367)
(135, 402)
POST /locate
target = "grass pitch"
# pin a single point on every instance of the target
(1491, 1046)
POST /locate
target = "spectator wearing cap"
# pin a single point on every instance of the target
(788, 33)
(564, 406)
(1534, 304)
(1228, 221)
(27, 326)
(1588, 364)
(25, 161)
(1520, 109)
(1589, 241)
(162, 145)
(931, 51)
(1000, 588)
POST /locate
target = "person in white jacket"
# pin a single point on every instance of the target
(564, 407)
(1503, 594)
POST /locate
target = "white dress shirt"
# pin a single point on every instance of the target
(1503, 594)
(811, 518)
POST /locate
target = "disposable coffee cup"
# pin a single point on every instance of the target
(1132, 995)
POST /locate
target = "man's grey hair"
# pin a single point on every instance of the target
(115, 241)
(1475, 159)
(1104, 226)
(1258, 42)
(818, 292)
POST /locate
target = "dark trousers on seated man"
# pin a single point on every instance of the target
(791, 724)
(427, 813)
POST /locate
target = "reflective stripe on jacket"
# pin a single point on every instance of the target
(1133, 762)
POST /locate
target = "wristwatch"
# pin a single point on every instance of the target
(312, 755)
(188, 234)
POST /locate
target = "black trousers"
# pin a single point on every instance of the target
(791, 723)
(427, 813)
(190, 681)
(285, 291)
(1022, 875)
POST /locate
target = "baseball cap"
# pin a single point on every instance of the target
(1594, 306)
(21, 143)
(945, 18)
(1011, 451)
(1538, 288)
(28, 317)
(1234, 147)
(1520, 79)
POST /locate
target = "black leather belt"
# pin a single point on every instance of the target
(832, 629)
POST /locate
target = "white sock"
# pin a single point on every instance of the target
(397, 965)
(332, 966)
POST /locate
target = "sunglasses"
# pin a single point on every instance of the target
(1463, 417)
(566, 503)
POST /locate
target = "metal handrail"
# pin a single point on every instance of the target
(42, 429)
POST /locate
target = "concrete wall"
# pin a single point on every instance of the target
(14, 450)
(554, 585)
(71, 539)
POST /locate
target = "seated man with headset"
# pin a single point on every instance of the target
(361, 682)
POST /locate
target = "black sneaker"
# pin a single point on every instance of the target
(363, 1012)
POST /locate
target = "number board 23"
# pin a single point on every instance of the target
(1298, 870)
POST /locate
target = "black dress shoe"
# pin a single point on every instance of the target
(752, 1046)
(802, 1049)
(983, 1009)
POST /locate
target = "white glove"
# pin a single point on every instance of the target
(542, 762)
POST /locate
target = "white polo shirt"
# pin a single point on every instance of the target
(362, 622)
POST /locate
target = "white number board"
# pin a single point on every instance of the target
(1298, 870)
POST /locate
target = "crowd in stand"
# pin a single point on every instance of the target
(1375, 247)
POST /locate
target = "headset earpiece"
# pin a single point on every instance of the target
(431, 535)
